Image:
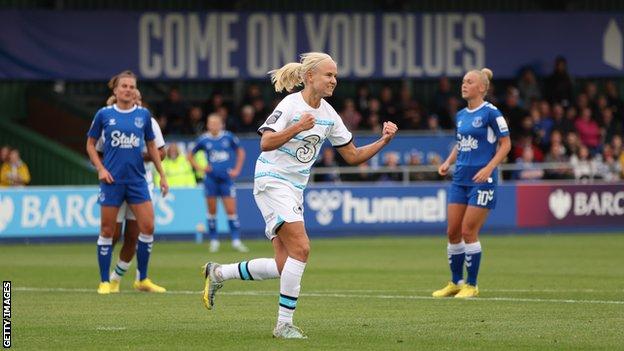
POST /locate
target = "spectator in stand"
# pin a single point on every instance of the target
(405, 99)
(350, 115)
(512, 110)
(391, 161)
(528, 87)
(542, 127)
(607, 166)
(253, 92)
(433, 125)
(524, 142)
(216, 101)
(582, 164)
(362, 98)
(572, 143)
(613, 97)
(439, 103)
(373, 123)
(582, 102)
(247, 123)
(616, 144)
(260, 109)
(14, 172)
(609, 126)
(4, 154)
(557, 153)
(588, 130)
(435, 160)
(559, 84)
(591, 92)
(529, 170)
(178, 169)
(412, 119)
(415, 159)
(197, 123)
(174, 110)
(364, 174)
(328, 162)
(560, 121)
(374, 107)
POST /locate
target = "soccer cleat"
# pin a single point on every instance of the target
(114, 286)
(240, 247)
(467, 291)
(449, 290)
(214, 246)
(288, 331)
(147, 285)
(212, 283)
(104, 288)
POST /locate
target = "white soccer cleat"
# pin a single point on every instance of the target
(212, 283)
(288, 331)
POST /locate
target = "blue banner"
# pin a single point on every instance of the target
(229, 45)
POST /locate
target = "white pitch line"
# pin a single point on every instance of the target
(335, 295)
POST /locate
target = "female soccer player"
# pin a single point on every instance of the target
(125, 128)
(131, 229)
(291, 139)
(219, 177)
(481, 128)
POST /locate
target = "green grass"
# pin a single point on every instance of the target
(537, 293)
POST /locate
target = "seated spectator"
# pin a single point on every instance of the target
(542, 127)
(394, 173)
(557, 154)
(616, 144)
(528, 87)
(197, 122)
(433, 124)
(439, 102)
(435, 160)
(14, 171)
(572, 144)
(373, 124)
(362, 97)
(511, 109)
(613, 97)
(388, 110)
(526, 141)
(350, 116)
(175, 111)
(415, 159)
(582, 164)
(609, 126)
(177, 168)
(529, 170)
(588, 130)
(262, 113)
(364, 174)
(212, 105)
(412, 119)
(4, 154)
(607, 166)
(253, 92)
(327, 162)
(560, 121)
(247, 122)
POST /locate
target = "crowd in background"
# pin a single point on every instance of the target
(13, 171)
(549, 122)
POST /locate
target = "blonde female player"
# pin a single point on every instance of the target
(482, 143)
(131, 229)
(125, 128)
(291, 139)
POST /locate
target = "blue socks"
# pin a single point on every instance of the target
(144, 249)
(234, 227)
(105, 254)
(473, 260)
(212, 228)
(456, 254)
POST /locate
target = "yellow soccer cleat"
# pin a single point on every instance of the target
(114, 286)
(468, 291)
(212, 283)
(104, 288)
(449, 290)
(147, 285)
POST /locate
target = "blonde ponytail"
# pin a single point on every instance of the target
(292, 74)
(111, 100)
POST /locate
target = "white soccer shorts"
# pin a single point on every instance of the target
(278, 204)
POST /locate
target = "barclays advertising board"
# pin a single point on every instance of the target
(231, 45)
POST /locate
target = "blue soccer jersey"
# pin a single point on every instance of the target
(219, 152)
(124, 133)
(478, 131)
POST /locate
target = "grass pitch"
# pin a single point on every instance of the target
(537, 293)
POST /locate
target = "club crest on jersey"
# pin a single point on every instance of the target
(139, 122)
(477, 122)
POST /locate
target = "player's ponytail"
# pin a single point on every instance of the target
(292, 74)
(487, 75)
(111, 100)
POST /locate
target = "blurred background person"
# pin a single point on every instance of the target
(14, 171)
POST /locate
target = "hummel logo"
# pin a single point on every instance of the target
(112, 122)
(468, 258)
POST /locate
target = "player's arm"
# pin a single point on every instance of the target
(103, 174)
(504, 146)
(444, 167)
(161, 153)
(190, 156)
(272, 140)
(240, 159)
(357, 155)
(154, 154)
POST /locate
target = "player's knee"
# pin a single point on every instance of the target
(147, 228)
(107, 231)
(302, 251)
(454, 236)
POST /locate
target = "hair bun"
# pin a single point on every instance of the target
(488, 73)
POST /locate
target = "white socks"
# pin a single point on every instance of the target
(290, 285)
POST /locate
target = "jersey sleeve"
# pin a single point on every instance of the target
(199, 145)
(158, 136)
(279, 118)
(339, 135)
(95, 131)
(148, 129)
(498, 123)
(235, 142)
(99, 144)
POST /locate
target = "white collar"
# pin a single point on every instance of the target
(476, 108)
(124, 111)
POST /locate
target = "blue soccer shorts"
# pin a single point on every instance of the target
(481, 195)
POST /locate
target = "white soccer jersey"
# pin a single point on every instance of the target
(291, 163)
(149, 166)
